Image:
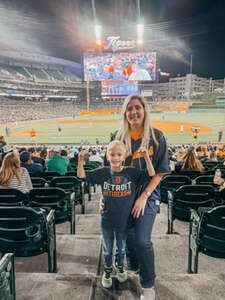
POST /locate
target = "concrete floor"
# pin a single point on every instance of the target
(79, 259)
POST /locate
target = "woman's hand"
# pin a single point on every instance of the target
(142, 151)
(101, 205)
(139, 206)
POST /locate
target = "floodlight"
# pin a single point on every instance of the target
(140, 29)
(98, 34)
(140, 42)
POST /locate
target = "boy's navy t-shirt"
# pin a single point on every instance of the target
(119, 191)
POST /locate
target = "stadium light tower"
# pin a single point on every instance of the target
(140, 25)
(98, 34)
(97, 27)
(140, 32)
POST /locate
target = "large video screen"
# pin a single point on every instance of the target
(120, 66)
(118, 87)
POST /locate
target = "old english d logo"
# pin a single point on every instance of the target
(117, 180)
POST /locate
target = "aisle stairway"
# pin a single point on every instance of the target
(80, 266)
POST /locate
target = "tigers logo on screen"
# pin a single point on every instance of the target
(117, 180)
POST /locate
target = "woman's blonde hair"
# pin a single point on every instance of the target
(123, 133)
(190, 161)
(10, 168)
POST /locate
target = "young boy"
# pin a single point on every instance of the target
(119, 186)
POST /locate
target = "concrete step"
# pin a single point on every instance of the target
(190, 287)
(167, 287)
(85, 224)
(42, 286)
(76, 254)
(171, 256)
(161, 223)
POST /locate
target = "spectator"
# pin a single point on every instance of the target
(13, 175)
(43, 156)
(212, 156)
(136, 132)
(57, 163)
(95, 157)
(64, 154)
(189, 161)
(74, 159)
(5, 150)
(2, 142)
(34, 158)
(34, 169)
(59, 131)
(7, 131)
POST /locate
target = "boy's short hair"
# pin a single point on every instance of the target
(116, 144)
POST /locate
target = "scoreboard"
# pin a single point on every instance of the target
(119, 87)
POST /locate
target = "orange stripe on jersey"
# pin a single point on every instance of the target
(136, 135)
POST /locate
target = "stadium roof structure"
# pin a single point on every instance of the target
(65, 29)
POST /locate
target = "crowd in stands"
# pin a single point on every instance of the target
(64, 159)
(193, 158)
(10, 111)
(35, 74)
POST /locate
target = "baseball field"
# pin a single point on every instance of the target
(100, 126)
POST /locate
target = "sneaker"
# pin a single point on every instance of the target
(121, 274)
(148, 294)
(106, 277)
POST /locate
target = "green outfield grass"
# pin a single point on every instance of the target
(75, 132)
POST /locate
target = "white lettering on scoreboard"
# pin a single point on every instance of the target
(116, 44)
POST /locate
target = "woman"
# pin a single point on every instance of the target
(136, 132)
(12, 175)
(189, 162)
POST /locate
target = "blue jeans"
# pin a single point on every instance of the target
(139, 248)
(107, 245)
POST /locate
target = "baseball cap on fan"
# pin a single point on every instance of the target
(56, 149)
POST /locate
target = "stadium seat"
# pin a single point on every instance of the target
(11, 197)
(25, 232)
(86, 185)
(208, 165)
(48, 175)
(38, 182)
(55, 198)
(222, 196)
(172, 183)
(188, 197)
(205, 179)
(207, 234)
(7, 277)
(71, 184)
(189, 173)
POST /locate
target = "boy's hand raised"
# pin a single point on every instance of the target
(83, 154)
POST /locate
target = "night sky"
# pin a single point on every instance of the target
(176, 28)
